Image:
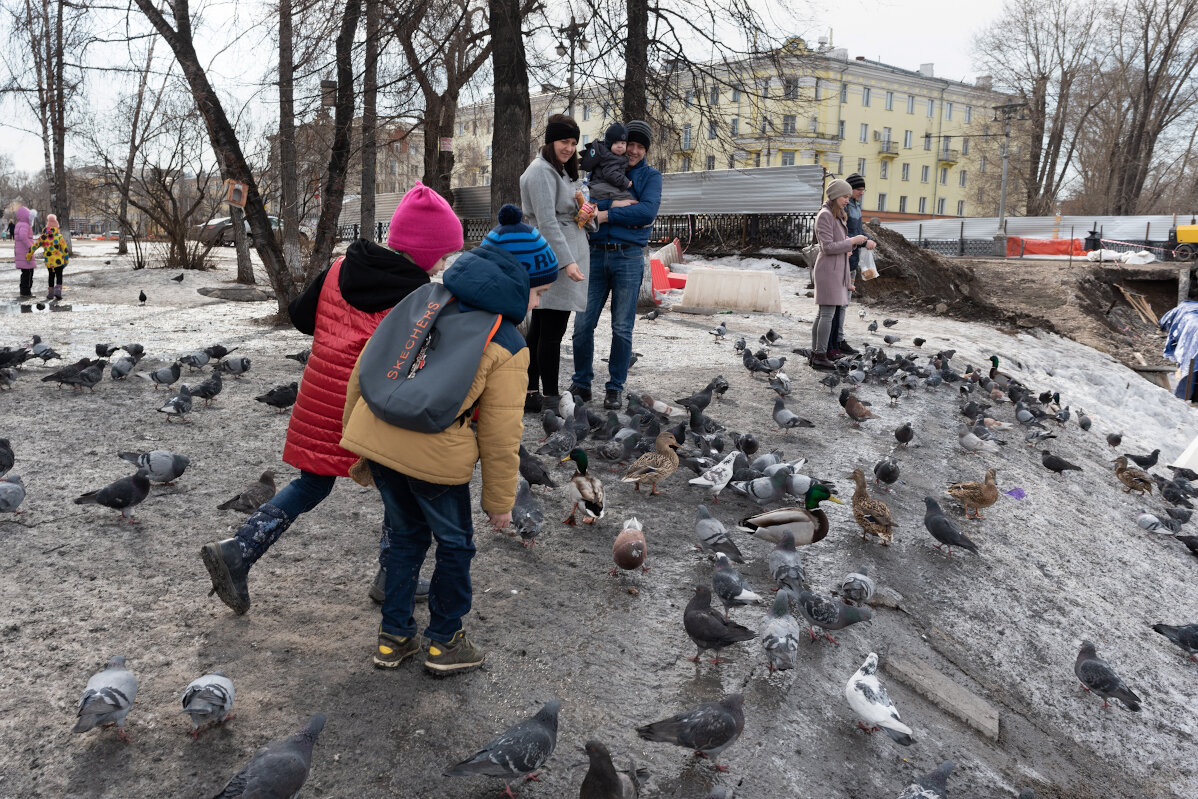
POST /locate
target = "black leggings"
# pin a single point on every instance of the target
(55, 274)
(26, 281)
(545, 334)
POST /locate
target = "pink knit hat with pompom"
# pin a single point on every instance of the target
(425, 227)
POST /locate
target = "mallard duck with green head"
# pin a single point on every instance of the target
(584, 489)
(807, 524)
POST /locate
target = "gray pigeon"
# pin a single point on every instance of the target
(208, 700)
(1083, 421)
(107, 698)
(714, 536)
(279, 769)
(786, 565)
(708, 729)
(164, 376)
(136, 350)
(106, 350)
(780, 383)
(160, 465)
(208, 390)
(604, 781)
(780, 636)
(253, 495)
(730, 586)
(857, 587)
(560, 444)
(12, 494)
(8, 376)
(1185, 636)
(179, 404)
(88, 377)
(931, 785)
(300, 357)
(943, 530)
(1097, 675)
(533, 471)
(121, 368)
(527, 516)
(708, 629)
(764, 490)
(120, 495)
(195, 360)
(827, 614)
(7, 459)
(234, 366)
(517, 752)
(280, 397)
(786, 418)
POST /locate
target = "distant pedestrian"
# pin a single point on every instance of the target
(424, 477)
(340, 310)
(617, 268)
(833, 280)
(12, 225)
(54, 245)
(22, 236)
(548, 190)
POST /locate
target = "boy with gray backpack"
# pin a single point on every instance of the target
(439, 387)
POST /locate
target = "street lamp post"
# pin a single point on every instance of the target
(1008, 113)
(572, 35)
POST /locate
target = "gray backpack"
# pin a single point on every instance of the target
(417, 368)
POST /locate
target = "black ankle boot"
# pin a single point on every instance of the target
(228, 572)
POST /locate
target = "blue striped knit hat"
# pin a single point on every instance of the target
(526, 244)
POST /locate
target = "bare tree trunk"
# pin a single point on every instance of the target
(245, 267)
(510, 139)
(440, 112)
(370, 87)
(122, 246)
(343, 117)
(288, 175)
(60, 198)
(636, 61)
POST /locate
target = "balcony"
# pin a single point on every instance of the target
(947, 156)
(799, 140)
(888, 149)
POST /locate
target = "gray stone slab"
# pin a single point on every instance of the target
(948, 695)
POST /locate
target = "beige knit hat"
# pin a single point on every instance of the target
(838, 188)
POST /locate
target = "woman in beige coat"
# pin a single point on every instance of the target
(832, 277)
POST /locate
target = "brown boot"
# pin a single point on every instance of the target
(819, 360)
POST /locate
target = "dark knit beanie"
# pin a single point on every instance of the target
(638, 132)
(615, 133)
(526, 244)
(855, 181)
(556, 131)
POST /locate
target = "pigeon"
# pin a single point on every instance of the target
(786, 418)
(278, 769)
(708, 629)
(281, 397)
(179, 405)
(1177, 514)
(714, 536)
(886, 471)
(873, 326)
(719, 332)
(649, 317)
(1083, 421)
(1144, 461)
(780, 383)
(903, 434)
(195, 360)
(754, 364)
(527, 516)
(533, 471)
(930, 785)
(12, 494)
(7, 458)
(1191, 543)
(786, 565)
(943, 530)
(208, 389)
(107, 698)
(164, 376)
(551, 422)
(717, 477)
(853, 407)
(218, 351)
(827, 614)
(780, 635)
(518, 751)
(178, 278)
(106, 350)
(87, 377)
(831, 380)
(8, 376)
(560, 444)
(918, 342)
(857, 587)
(208, 700)
(889, 322)
(253, 495)
(770, 337)
(1181, 471)
(1114, 439)
(629, 550)
(121, 368)
(603, 781)
(1056, 464)
(160, 465)
(891, 339)
(300, 357)
(1097, 675)
(1149, 523)
(137, 351)
(869, 700)
(732, 589)
(972, 444)
(120, 495)
(234, 366)
(708, 729)
(141, 297)
(764, 490)
(1185, 637)
(700, 399)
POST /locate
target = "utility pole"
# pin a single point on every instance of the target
(572, 35)
(1008, 112)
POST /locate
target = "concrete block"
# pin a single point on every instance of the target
(734, 289)
(942, 691)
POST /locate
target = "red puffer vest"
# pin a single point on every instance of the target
(314, 434)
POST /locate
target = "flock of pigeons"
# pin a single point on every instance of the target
(654, 439)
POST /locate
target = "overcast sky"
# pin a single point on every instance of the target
(903, 33)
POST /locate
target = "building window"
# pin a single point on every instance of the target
(814, 124)
(923, 205)
(943, 176)
(686, 163)
(889, 101)
(736, 94)
(712, 129)
(790, 90)
(864, 131)
(488, 152)
(960, 208)
(968, 114)
(948, 111)
(931, 107)
(765, 124)
(734, 126)
(905, 174)
(714, 98)
(882, 201)
(756, 159)
(861, 167)
(789, 125)
(865, 95)
(908, 136)
(903, 204)
(964, 146)
(982, 165)
(844, 92)
(886, 134)
(819, 93)
(689, 97)
(927, 141)
(763, 88)
(686, 138)
(840, 130)
(815, 157)
(788, 158)
(910, 104)
(979, 193)
(884, 170)
(586, 139)
(962, 178)
(710, 162)
(586, 112)
(940, 206)
(924, 171)
(840, 164)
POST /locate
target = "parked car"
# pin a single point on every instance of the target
(219, 231)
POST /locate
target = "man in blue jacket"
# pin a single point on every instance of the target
(617, 266)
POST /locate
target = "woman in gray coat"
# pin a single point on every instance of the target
(547, 197)
(832, 278)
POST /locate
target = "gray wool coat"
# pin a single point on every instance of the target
(547, 199)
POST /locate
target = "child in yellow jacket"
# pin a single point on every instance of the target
(54, 245)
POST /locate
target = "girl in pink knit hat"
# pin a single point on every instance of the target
(52, 243)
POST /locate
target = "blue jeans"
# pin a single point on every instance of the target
(619, 273)
(303, 493)
(418, 512)
(264, 527)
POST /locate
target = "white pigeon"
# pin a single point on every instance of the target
(873, 707)
(565, 406)
(107, 699)
(971, 443)
(716, 478)
(857, 587)
(780, 635)
(208, 699)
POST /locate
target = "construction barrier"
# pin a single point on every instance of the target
(1017, 246)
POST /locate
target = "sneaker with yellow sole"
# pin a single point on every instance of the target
(455, 656)
(394, 649)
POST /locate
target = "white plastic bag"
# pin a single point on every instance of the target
(865, 263)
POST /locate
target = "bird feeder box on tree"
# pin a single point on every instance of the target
(235, 193)
(328, 93)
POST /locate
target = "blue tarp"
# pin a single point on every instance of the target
(1181, 339)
